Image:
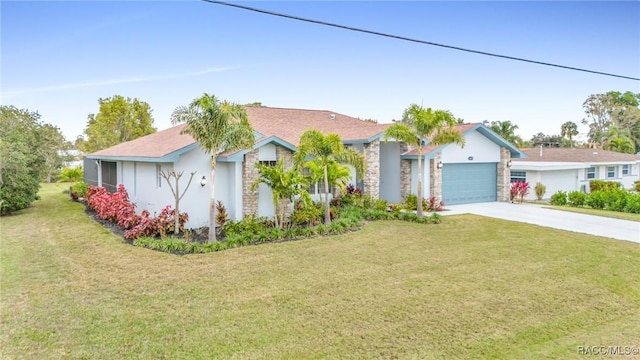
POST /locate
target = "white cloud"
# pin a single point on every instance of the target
(130, 80)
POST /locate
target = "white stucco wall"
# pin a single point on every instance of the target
(559, 180)
(481, 149)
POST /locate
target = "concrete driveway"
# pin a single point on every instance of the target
(538, 215)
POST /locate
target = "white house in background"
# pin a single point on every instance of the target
(477, 172)
(564, 169)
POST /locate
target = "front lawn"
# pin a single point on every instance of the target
(604, 213)
(470, 287)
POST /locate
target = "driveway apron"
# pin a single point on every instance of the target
(558, 219)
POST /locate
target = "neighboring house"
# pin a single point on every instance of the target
(571, 169)
(478, 172)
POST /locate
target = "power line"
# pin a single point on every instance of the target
(424, 42)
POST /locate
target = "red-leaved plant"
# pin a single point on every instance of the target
(519, 190)
(117, 208)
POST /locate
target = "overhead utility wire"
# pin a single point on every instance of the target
(414, 40)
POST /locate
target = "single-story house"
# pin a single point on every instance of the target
(477, 172)
(568, 169)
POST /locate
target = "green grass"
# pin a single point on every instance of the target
(604, 213)
(471, 287)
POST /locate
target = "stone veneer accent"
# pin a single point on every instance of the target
(435, 177)
(504, 176)
(372, 174)
(405, 174)
(249, 174)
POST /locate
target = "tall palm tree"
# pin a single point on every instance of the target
(326, 148)
(338, 175)
(420, 126)
(284, 184)
(569, 129)
(218, 126)
(507, 130)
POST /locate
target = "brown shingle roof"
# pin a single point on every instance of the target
(287, 124)
(577, 155)
(429, 148)
(154, 145)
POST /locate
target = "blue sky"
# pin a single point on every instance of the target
(58, 58)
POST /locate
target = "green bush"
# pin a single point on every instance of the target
(577, 198)
(601, 185)
(559, 198)
(597, 200)
(637, 185)
(633, 204)
(78, 190)
(71, 174)
(411, 202)
(540, 190)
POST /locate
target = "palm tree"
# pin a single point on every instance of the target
(218, 126)
(618, 140)
(284, 184)
(338, 175)
(506, 130)
(420, 126)
(326, 148)
(569, 129)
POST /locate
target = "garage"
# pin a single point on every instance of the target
(469, 183)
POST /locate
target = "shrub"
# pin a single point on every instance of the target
(411, 202)
(221, 214)
(559, 198)
(633, 203)
(381, 204)
(435, 205)
(637, 185)
(540, 190)
(597, 200)
(78, 190)
(577, 198)
(598, 185)
(519, 190)
(71, 174)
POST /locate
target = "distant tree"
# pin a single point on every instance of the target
(618, 140)
(420, 126)
(326, 148)
(53, 151)
(22, 164)
(569, 129)
(255, 104)
(506, 129)
(546, 140)
(612, 109)
(218, 126)
(285, 185)
(118, 120)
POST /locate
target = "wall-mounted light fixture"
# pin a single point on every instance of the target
(203, 181)
(439, 165)
(509, 163)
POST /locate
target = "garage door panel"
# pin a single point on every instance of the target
(469, 183)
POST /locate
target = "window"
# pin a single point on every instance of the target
(518, 176)
(591, 173)
(158, 176)
(268, 163)
(626, 169)
(611, 171)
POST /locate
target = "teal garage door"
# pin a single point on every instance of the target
(469, 183)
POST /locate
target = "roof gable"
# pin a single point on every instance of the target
(430, 150)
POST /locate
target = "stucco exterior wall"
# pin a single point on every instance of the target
(477, 148)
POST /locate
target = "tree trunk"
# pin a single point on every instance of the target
(327, 210)
(212, 202)
(176, 216)
(419, 207)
